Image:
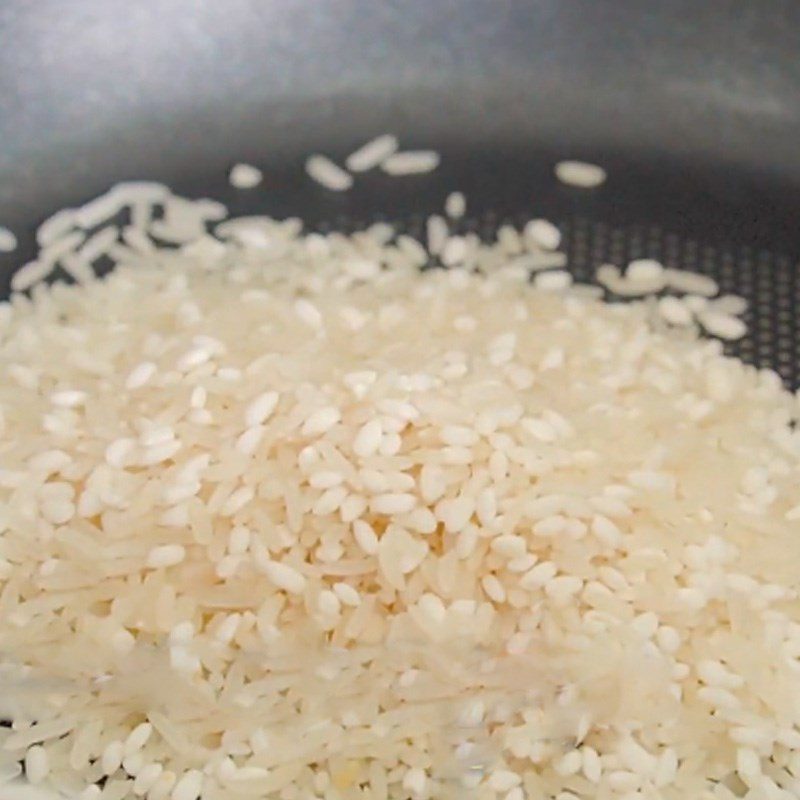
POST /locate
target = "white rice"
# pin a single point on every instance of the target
(36, 764)
(326, 173)
(675, 311)
(312, 527)
(261, 408)
(411, 162)
(99, 209)
(79, 270)
(542, 234)
(644, 270)
(8, 241)
(372, 154)
(30, 274)
(724, 326)
(691, 282)
(642, 277)
(455, 205)
(55, 226)
(535, 262)
(553, 281)
(135, 192)
(245, 176)
(580, 174)
(98, 244)
(454, 252)
(437, 234)
(729, 304)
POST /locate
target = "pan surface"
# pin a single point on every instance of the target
(694, 109)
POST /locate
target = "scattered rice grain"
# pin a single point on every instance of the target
(328, 174)
(580, 174)
(245, 176)
(411, 162)
(372, 154)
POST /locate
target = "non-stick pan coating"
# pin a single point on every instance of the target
(693, 108)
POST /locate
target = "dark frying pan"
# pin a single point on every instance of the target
(694, 108)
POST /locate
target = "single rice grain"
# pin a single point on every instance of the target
(372, 154)
(328, 174)
(245, 176)
(580, 174)
(411, 162)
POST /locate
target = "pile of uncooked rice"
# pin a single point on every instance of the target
(283, 516)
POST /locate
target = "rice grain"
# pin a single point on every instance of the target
(328, 174)
(372, 154)
(455, 205)
(723, 326)
(30, 274)
(8, 241)
(245, 176)
(675, 312)
(284, 577)
(580, 174)
(542, 234)
(167, 555)
(691, 282)
(37, 764)
(411, 162)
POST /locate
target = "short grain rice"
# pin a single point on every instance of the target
(245, 176)
(328, 174)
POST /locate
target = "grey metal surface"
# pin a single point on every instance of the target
(693, 107)
(93, 90)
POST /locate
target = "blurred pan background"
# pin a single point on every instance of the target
(693, 108)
